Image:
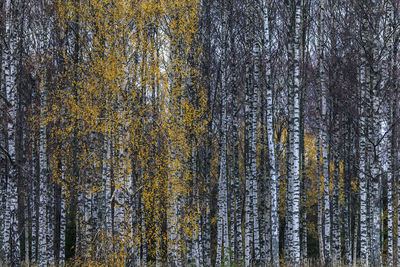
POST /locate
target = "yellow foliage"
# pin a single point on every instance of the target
(131, 91)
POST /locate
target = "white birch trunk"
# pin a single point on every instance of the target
(222, 223)
(389, 165)
(388, 170)
(63, 226)
(336, 219)
(253, 150)
(43, 216)
(8, 80)
(3, 137)
(364, 248)
(289, 158)
(12, 203)
(320, 204)
(236, 188)
(10, 237)
(273, 171)
(172, 221)
(206, 237)
(325, 168)
(289, 147)
(296, 139)
(348, 203)
(50, 221)
(223, 237)
(388, 128)
(236, 194)
(249, 225)
(324, 136)
(248, 198)
(376, 129)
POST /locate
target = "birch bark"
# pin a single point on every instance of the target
(296, 138)
(273, 172)
(249, 224)
(364, 250)
(222, 223)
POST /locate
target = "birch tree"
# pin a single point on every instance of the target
(364, 249)
(296, 136)
(273, 172)
(198, 132)
(223, 235)
(324, 137)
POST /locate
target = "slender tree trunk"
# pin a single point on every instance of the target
(249, 215)
(320, 204)
(43, 216)
(376, 129)
(236, 193)
(273, 172)
(10, 222)
(3, 128)
(296, 138)
(305, 6)
(321, 128)
(388, 165)
(222, 224)
(364, 248)
(348, 203)
(253, 148)
(394, 132)
(324, 136)
(63, 219)
(355, 237)
(336, 219)
(289, 144)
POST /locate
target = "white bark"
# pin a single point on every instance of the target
(320, 204)
(105, 180)
(324, 136)
(3, 137)
(172, 222)
(248, 186)
(336, 219)
(364, 249)
(43, 216)
(50, 219)
(44, 251)
(325, 171)
(289, 159)
(10, 220)
(249, 225)
(387, 168)
(296, 139)
(222, 223)
(348, 203)
(63, 226)
(289, 147)
(273, 170)
(389, 165)
(253, 150)
(236, 204)
(376, 129)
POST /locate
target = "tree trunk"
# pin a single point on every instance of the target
(296, 138)
(364, 248)
(249, 215)
(222, 223)
(253, 148)
(273, 172)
